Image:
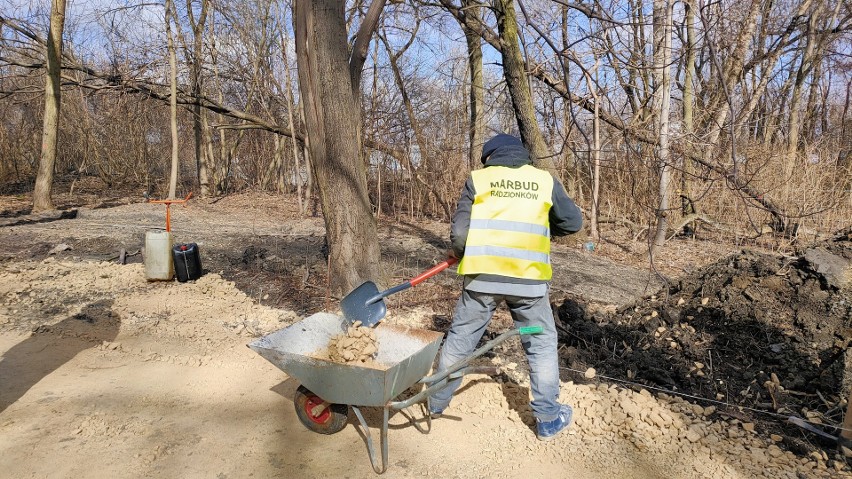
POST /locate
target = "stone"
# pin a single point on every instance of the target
(357, 344)
(836, 270)
(590, 373)
(758, 456)
(657, 419)
(631, 409)
(775, 451)
(693, 435)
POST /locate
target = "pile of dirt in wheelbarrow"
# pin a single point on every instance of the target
(762, 337)
(357, 345)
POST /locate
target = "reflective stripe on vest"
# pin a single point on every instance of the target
(509, 231)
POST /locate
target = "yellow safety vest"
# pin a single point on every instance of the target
(509, 231)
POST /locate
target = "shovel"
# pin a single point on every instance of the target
(366, 304)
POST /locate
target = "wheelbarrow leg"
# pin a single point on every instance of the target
(380, 468)
(424, 409)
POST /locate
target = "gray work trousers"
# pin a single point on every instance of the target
(473, 313)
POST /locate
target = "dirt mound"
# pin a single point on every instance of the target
(763, 337)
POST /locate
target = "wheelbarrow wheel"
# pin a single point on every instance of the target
(324, 420)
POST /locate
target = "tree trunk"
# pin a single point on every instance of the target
(813, 111)
(687, 205)
(477, 86)
(42, 200)
(662, 105)
(196, 90)
(795, 115)
(596, 159)
(729, 73)
(292, 123)
(173, 177)
(519, 89)
(333, 125)
(596, 174)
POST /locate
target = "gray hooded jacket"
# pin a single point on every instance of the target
(565, 218)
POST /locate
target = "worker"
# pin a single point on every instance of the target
(501, 232)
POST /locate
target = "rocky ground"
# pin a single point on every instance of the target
(763, 337)
(107, 375)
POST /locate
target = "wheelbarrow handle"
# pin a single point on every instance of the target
(440, 380)
(414, 281)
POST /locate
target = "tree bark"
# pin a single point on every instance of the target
(42, 200)
(662, 107)
(596, 173)
(690, 6)
(196, 89)
(362, 44)
(173, 177)
(795, 103)
(292, 123)
(519, 89)
(333, 125)
(476, 132)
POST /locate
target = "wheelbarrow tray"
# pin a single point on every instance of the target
(404, 357)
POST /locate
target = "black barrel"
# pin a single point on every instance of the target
(187, 261)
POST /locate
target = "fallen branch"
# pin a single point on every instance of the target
(46, 217)
(123, 255)
(692, 218)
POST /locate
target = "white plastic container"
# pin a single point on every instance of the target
(159, 265)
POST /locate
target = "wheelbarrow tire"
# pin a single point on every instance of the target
(331, 420)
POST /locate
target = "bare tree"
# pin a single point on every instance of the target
(195, 61)
(173, 177)
(52, 93)
(662, 107)
(477, 84)
(329, 81)
(688, 103)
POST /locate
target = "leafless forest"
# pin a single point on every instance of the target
(729, 115)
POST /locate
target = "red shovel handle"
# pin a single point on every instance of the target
(433, 271)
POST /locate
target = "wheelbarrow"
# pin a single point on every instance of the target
(328, 389)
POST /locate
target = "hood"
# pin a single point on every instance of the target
(505, 150)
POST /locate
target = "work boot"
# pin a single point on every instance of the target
(548, 430)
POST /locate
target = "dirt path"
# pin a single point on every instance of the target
(262, 234)
(106, 375)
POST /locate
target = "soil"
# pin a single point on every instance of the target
(357, 345)
(107, 375)
(764, 336)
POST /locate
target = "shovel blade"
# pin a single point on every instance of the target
(355, 307)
